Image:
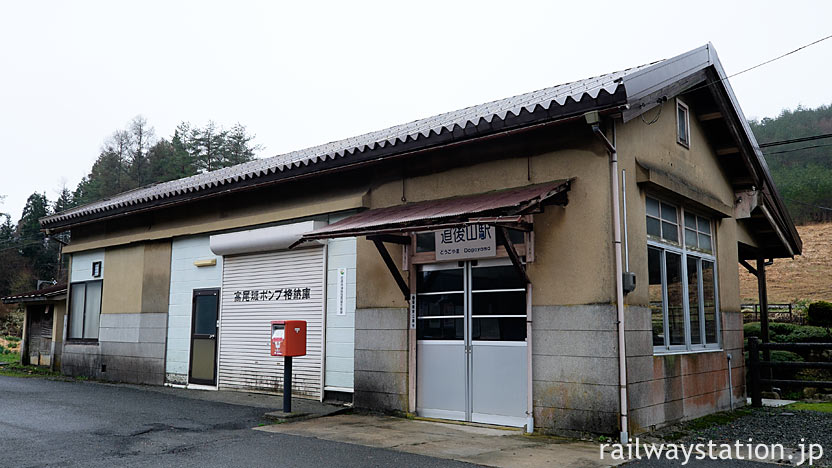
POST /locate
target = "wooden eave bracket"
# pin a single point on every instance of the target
(391, 265)
(748, 267)
(512, 254)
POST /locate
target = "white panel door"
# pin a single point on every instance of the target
(260, 288)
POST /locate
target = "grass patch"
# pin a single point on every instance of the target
(15, 369)
(685, 429)
(825, 407)
(9, 357)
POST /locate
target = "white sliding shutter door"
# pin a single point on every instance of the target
(245, 359)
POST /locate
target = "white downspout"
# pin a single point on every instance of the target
(594, 119)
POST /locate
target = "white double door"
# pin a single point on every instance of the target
(471, 342)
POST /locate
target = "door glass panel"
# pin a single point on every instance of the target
(440, 329)
(498, 303)
(498, 329)
(202, 361)
(498, 277)
(435, 305)
(92, 309)
(440, 280)
(675, 298)
(205, 315)
(709, 301)
(693, 301)
(654, 265)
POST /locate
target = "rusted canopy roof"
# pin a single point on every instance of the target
(37, 295)
(484, 207)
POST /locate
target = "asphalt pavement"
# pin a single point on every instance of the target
(89, 424)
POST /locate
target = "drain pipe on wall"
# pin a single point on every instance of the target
(594, 119)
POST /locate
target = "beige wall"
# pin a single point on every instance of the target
(246, 209)
(699, 170)
(137, 278)
(573, 245)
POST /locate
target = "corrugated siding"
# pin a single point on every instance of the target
(245, 359)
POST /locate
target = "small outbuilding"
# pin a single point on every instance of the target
(42, 325)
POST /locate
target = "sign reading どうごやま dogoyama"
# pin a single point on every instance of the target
(463, 242)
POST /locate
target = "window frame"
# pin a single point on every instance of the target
(681, 105)
(83, 340)
(664, 246)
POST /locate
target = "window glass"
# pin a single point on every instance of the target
(669, 213)
(439, 281)
(652, 207)
(705, 242)
(690, 238)
(654, 227)
(499, 277)
(690, 221)
(704, 225)
(425, 242)
(92, 310)
(693, 301)
(682, 119)
(76, 310)
(499, 329)
(709, 301)
(670, 231)
(206, 314)
(440, 329)
(675, 298)
(656, 298)
(498, 303)
(436, 305)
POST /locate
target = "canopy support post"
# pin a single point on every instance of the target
(391, 265)
(512, 254)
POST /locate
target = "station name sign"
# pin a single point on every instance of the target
(264, 295)
(464, 242)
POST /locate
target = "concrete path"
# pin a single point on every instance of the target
(473, 444)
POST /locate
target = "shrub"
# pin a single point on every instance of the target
(751, 329)
(13, 339)
(807, 334)
(820, 314)
(785, 356)
(3, 349)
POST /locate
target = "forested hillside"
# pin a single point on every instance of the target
(801, 171)
(129, 158)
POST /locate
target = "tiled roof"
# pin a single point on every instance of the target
(548, 99)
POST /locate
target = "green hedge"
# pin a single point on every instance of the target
(820, 314)
(790, 333)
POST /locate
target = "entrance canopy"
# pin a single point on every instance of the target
(503, 207)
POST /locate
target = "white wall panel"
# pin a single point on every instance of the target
(340, 329)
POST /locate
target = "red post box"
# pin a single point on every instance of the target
(289, 338)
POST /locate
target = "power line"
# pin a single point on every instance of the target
(696, 88)
(798, 149)
(809, 204)
(796, 140)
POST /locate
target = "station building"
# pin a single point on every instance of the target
(564, 260)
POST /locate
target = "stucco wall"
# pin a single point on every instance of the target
(667, 388)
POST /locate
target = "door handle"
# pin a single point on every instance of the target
(211, 336)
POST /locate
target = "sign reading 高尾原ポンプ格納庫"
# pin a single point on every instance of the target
(464, 242)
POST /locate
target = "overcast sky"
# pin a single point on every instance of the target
(299, 74)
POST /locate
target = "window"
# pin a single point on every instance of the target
(682, 124)
(682, 288)
(84, 310)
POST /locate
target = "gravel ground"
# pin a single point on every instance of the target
(773, 426)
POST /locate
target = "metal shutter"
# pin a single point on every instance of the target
(245, 361)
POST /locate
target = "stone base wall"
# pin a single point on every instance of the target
(381, 359)
(575, 369)
(664, 389)
(130, 348)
